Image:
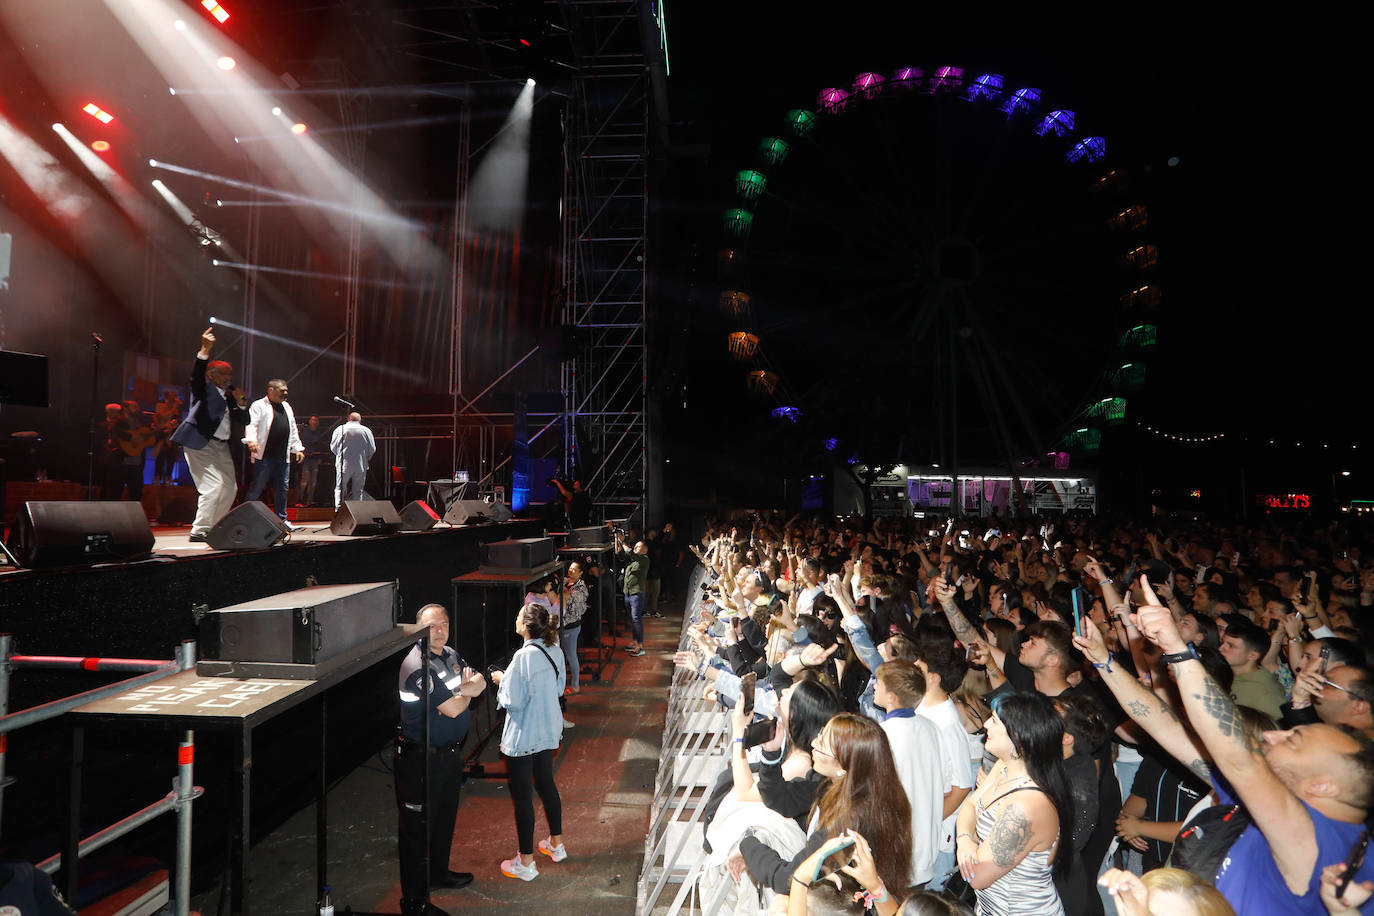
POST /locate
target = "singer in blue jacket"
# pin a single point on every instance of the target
(204, 434)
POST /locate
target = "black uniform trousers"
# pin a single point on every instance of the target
(445, 780)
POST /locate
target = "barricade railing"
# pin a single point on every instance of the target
(694, 752)
(144, 671)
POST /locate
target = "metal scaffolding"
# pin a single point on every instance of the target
(605, 228)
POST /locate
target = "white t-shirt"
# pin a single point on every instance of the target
(807, 597)
(957, 768)
(911, 738)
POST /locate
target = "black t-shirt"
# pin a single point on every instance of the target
(279, 435)
(1170, 790)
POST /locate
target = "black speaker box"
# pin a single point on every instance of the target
(469, 512)
(418, 516)
(596, 536)
(521, 553)
(78, 533)
(303, 627)
(250, 526)
(362, 517)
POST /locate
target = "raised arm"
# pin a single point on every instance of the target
(1145, 708)
(1276, 811)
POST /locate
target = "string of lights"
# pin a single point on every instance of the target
(1217, 437)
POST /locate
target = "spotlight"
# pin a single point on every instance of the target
(213, 320)
(153, 164)
(226, 63)
(95, 111)
(529, 82)
(179, 25)
(276, 111)
(172, 90)
(298, 128)
(101, 146)
(214, 9)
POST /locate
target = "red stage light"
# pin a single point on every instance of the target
(95, 111)
(101, 146)
(298, 128)
(525, 42)
(219, 12)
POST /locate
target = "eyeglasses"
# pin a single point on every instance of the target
(830, 615)
(817, 749)
(1344, 690)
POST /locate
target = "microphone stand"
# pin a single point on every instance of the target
(95, 399)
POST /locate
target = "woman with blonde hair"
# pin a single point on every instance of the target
(1163, 892)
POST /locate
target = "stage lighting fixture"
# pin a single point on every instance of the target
(214, 9)
(277, 112)
(1058, 123)
(179, 25)
(298, 128)
(213, 319)
(101, 146)
(226, 63)
(530, 81)
(95, 111)
(172, 90)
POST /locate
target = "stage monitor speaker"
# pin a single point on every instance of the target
(79, 533)
(595, 536)
(251, 526)
(363, 517)
(469, 512)
(520, 553)
(418, 516)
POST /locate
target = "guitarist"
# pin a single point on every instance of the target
(126, 439)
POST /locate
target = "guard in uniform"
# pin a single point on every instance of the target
(452, 688)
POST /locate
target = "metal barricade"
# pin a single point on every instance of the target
(144, 671)
(695, 749)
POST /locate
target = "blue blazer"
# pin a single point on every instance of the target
(207, 410)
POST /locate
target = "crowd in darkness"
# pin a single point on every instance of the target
(1076, 716)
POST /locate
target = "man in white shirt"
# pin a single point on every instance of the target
(915, 743)
(943, 664)
(273, 442)
(353, 447)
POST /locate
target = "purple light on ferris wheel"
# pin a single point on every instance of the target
(832, 100)
(905, 79)
(790, 414)
(946, 78)
(1022, 101)
(987, 86)
(1057, 122)
(868, 85)
(1089, 149)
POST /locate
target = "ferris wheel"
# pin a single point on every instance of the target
(958, 249)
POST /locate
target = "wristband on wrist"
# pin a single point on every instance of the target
(1173, 658)
(878, 896)
(1107, 664)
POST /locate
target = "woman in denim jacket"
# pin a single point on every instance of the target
(529, 689)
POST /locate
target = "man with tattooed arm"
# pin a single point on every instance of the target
(1307, 789)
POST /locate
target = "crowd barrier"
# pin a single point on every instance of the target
(696, 737)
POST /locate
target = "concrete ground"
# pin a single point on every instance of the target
(604, 769)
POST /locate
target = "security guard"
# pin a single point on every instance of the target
(452, 688)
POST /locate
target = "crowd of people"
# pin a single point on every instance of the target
(1037, 717)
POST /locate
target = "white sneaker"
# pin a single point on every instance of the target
(567, 724)
(557, 853)
(514, 868)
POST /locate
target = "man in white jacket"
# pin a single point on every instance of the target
(353, 447)
(272, 441)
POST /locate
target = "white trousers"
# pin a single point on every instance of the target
(348, 484)
(213, 471)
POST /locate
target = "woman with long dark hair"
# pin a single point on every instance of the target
(1015, 827)
(529, 691)
(861, 792)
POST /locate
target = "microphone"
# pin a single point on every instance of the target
(340, 400)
